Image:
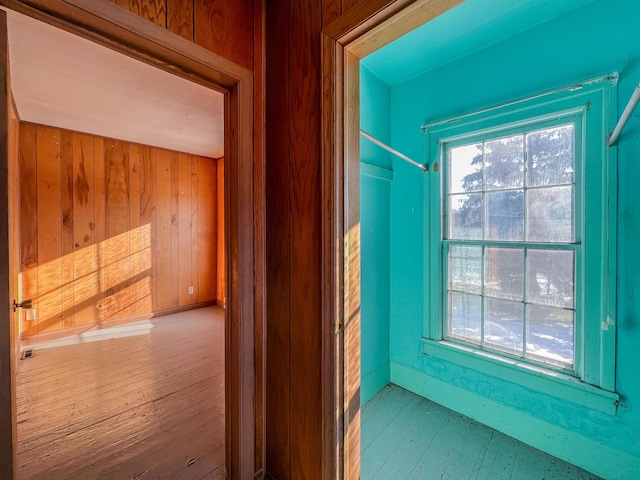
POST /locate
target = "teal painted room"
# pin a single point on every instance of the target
(483, 56)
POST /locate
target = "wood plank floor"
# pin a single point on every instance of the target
(405, 436)
(141, 401)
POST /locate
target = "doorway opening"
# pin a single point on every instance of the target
(402, 106)
(133, 289)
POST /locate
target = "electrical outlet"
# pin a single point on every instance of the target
(190, 290)
(31, 314)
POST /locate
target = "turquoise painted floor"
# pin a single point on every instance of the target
(405, 436)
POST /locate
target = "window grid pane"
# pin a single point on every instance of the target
(516, 300)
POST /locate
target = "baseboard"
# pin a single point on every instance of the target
(373, 382)
(112, 322)
(571, 447)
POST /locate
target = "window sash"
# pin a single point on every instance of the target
(594, 276)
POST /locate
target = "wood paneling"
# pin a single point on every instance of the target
(207, 227)
(66, 184)
(153, 10)
(117, 275)
(49, 218)
(148, 220)
(184, 227)
(84, 226)
(278, 274)
(135, 230)
(28, 220)
(221, 283)
(174, 186)
(114, 228)
(304, 217)
(109, 25)
(331, 9)
(163, 231)
(180, 18)
(9, 264)
(226, 27)
(101, 243)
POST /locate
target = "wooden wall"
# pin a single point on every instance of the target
(111, 229)
(9, 325)
(294, 424)
(215, 25)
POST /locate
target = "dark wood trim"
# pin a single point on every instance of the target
(8, 446)
(259, 166)
(332, 266)
(362, 17)
(107, 24)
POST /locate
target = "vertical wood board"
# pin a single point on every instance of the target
(164, 222)
(117, 268)
(49, 311)
(180, 18)
(278, 275)
(208, 237)
(29, 222)
(304, 218)
(226, 28)
(66, 152)
(185, 230)
(84, 225)
(175, 228)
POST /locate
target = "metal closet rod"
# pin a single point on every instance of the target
(628, 110)
(371, 138)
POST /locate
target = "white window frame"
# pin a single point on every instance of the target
(593, 382)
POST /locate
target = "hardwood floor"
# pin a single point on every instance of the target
(405, 436)
(141, 401)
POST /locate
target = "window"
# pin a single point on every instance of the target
(521, 227)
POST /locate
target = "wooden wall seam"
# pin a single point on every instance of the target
(93, 247)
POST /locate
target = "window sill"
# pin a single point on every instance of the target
(557, 384)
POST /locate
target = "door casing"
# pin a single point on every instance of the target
(363, 29)
(110, 25)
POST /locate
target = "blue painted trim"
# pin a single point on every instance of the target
(375, 171)
(579, 450)
(550, 382)
(372, 383)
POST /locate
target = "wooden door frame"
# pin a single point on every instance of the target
(108, 24)
(363, 29)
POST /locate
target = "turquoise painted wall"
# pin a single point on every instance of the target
(595, 39)
(375, 199)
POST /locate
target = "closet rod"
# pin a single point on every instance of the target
(371, 138)
(628, 110)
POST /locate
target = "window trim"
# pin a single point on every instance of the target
(594, 358)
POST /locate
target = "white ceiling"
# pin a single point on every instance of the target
(62, 80)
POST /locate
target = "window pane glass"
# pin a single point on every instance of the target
(503, 321)
(465, 168)
(465, 269)
(504, 272)
(550, 335)
(504, 163)
(550, 277)
(505, 215)
(465, 216)
(550, 214)
(465, 316)
(550, 156)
